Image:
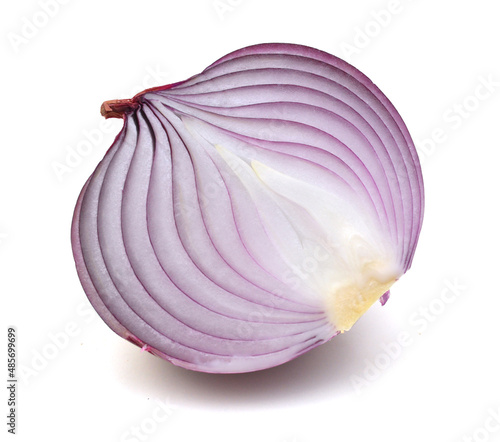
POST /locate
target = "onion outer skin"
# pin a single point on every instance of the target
(188, 240)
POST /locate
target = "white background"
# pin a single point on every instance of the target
(78, 381)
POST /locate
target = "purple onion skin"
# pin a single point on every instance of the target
(183, 251)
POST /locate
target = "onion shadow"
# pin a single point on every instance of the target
(319, 374)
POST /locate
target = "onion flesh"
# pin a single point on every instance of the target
(251, 212)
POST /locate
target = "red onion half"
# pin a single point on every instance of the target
(250, 213)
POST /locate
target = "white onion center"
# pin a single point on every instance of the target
(331, 243)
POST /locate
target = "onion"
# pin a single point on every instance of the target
(250, 213)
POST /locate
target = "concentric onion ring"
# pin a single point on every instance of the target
(250, 213)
